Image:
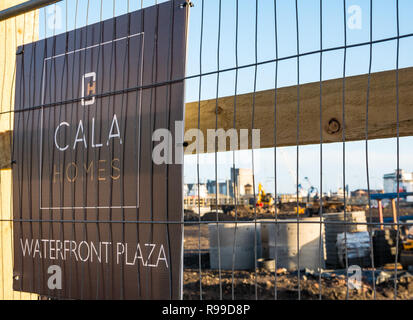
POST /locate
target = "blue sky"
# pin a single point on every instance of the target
(382, 153)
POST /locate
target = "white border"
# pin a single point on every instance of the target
(41, 122)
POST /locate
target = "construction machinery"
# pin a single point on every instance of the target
(408, 241)
(379, 197)
(386, 246)
(313, 207)
(406, 254)
(393, 240)
(300, 209)
(265, 201)
(390, 241)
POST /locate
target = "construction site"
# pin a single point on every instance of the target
(206, 150)
(324, 252)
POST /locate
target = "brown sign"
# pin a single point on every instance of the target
(90, 206)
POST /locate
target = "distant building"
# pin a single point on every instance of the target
(207, 195)
(192, 202)
(359, 193)
(248, 190)
(339, 193)
(241, 178)
(405, 182)
(224, 187)
(192, 190)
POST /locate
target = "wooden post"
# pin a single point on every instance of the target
(380, 214)
(5, 148)
(13, 32)
(394, 211)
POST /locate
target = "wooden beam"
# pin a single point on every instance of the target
(5, 149)
(382, 110)
(382, 121)
(13, 33)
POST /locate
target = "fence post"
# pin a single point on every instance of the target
(13, 32)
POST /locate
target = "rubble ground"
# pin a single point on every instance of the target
(248, 285)
(245, 285)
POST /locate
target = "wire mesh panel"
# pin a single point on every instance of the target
(85, 185)
(301, 73)
(295, 113)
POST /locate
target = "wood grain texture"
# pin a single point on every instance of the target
(13, 33)
(382, 104)
(5, 149)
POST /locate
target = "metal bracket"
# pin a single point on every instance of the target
(24, 8)
(186, 4)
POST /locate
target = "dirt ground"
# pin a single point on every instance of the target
(261, 284)
(248, 286)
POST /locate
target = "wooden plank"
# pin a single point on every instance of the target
(5, 149)
(382, 111)
(13, 33)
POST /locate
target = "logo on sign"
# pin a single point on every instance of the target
(88, 88)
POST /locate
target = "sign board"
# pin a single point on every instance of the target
(90, 206)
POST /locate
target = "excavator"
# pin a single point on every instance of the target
(264, 200)
(406, 254)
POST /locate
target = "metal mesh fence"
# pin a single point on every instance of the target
(238, 49)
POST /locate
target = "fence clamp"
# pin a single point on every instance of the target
(187, 3)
